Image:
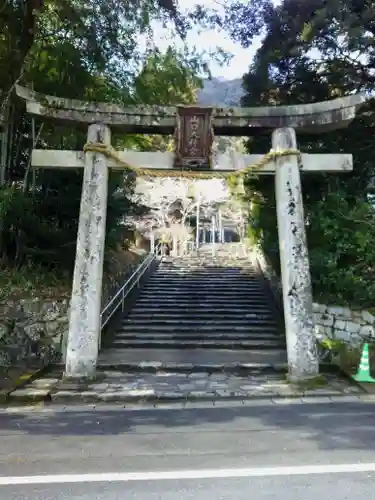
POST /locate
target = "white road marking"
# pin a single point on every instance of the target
(188, 474)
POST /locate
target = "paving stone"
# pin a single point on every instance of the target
(99, 387)
(201, 394)
(223, 392)
(62, 395)
(114, 396)
(369, 398)
(139, 393)
(118, 386)
(72, 386)
(89, 395)
(315, 399)
(29, 393)
(329, 391)
(172, 395)
(44, 382)
(249, 387)
(239, 394)
(352, 389)
(287, 400)
(216, 377)
(217, 385)
(151, 364)
(346, 398)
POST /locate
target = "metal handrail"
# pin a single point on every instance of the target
(119, 299)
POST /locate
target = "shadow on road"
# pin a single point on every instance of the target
(331, 426)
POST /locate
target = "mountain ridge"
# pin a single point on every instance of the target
(220, 92)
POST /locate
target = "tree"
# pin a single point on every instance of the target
(166, 78)
(315, 51)
(83, 50)
(102, 31)
(234, 212)
(170, 202)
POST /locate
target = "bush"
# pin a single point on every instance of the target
(341, 238)
(341, 235)
(40, 229)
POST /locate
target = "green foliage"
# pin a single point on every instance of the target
(168, 78)
(42, 230)
(315, 51)
(79, 50)
(341, 249)
(342, 253)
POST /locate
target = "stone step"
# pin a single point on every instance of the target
(188, 282)
(193, 274)
(241, 280)
(171, 387)
(205, 268)
(207, 264)
(201, 300)
(195, 344)
(215, 292)
(134, 327)
(167, 296)
(241, 274)
(200, 285)
(198, 271)
(192, 322)
(204, 263)
(176, 318)
(176, 388)
(191, 359)
(203, 290)
(219, 292)
(259, 336)
(228, 309)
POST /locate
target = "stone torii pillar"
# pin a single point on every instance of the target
(84, 325)
(303, 360)
(85, 305)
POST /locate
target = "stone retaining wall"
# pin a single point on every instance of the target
(343, 323)
(331, 321)
(32, 330)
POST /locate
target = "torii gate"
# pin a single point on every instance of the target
(193, 128)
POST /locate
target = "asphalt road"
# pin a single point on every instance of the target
(69, 448)
(332, 487)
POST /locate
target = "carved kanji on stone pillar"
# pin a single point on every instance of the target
(194, 137)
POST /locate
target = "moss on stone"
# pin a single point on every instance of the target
(27, 282)
(312, 383)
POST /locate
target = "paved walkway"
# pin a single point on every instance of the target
(120, 387)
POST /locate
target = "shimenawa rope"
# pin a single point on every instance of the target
(110, 152)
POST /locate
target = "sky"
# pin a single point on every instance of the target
(210, 39)
(241, 59)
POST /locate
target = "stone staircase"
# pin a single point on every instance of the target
(199, 314)
(201, 329)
